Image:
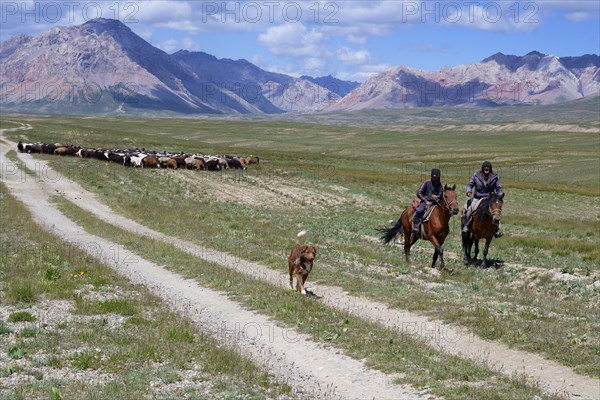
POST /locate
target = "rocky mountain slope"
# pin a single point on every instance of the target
(104, 67)
(501, 79)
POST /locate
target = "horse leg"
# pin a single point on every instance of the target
(439, 251)
(484, 262)
(467, 242)
(442, 262)
(476, 250)
(407, 244)
(435, 257)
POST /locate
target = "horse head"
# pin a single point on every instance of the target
(496, 203)
(450, 202)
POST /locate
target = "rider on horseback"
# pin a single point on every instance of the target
(484, 182)
(430, 191)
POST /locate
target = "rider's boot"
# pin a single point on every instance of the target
(416, 223)
(466, 221)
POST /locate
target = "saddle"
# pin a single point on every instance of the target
(425, 218)
(415, 203)
(474, 204)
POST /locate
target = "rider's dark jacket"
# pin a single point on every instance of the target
(482, 189)
(427, 190)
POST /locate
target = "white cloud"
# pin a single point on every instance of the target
(493, 16)
(580, 16)
(349, 57)
(173, 45)
(189, 44)
(360, 19)
(146, 34)
(156, 11)
(367, 71)
(293, 40)
(357, 39)
(314, 65)
(169, 46)
(302, 37)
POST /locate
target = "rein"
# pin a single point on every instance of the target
(448, 205)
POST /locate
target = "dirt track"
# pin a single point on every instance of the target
(344, 377)
(312, 370)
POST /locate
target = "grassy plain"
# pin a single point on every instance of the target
(76, 330)
(381, 348)
(341, 176)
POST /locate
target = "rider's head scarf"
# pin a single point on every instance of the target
(435, 176)
(486, 164)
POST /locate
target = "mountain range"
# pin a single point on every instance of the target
(501, 79)
(102, 66)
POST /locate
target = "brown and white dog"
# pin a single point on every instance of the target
(300, 262)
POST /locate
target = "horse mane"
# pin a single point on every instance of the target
(483, 210)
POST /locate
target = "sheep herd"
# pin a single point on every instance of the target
(144, 158)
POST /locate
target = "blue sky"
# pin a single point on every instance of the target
(348, 39)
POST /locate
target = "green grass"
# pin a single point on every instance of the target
(379, 168)
(378, 158)
(130, 354)
(254, 234)
(381, 348)
(21, 316)
(347, 148)
(113, 306)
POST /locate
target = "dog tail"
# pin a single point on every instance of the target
(299, 235)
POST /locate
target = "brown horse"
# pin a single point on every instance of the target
(485, 222)
(435, 230)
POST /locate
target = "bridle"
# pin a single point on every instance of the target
(448, 205)
(496, 213)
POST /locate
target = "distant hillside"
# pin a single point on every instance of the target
(104, 67)
(337, 86)
(275, 92)
(501, 79)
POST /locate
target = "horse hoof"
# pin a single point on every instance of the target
(466, 261)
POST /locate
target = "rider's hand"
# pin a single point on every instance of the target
(469, 194)
(428, 203)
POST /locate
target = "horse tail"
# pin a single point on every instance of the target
(388, 234)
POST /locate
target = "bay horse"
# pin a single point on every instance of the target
(485, 221)
(435, 230)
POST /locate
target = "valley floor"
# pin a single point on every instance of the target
(312, 368)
